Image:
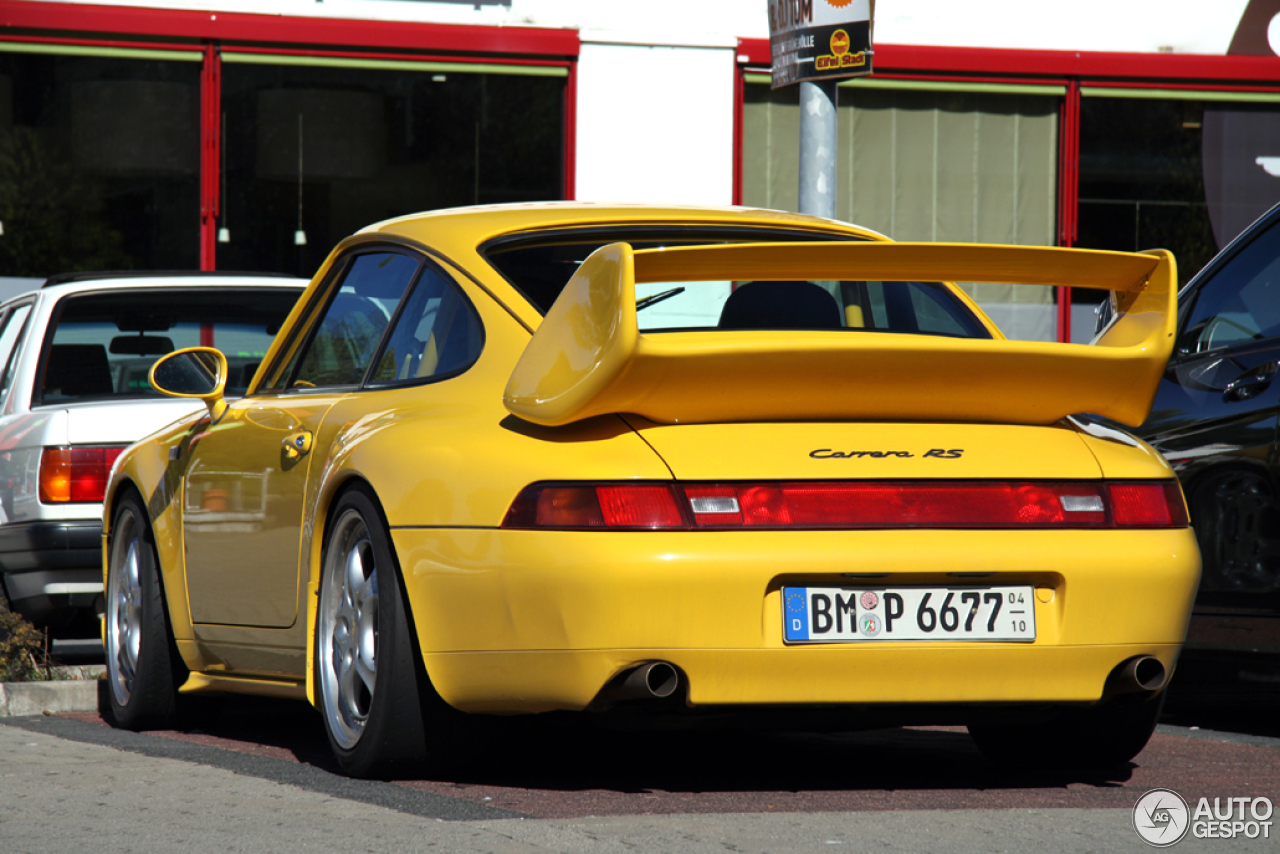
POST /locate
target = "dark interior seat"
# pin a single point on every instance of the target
(780, 305)
(77, 370)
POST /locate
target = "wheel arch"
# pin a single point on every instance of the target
(329, 497)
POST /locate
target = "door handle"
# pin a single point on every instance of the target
(297, 444)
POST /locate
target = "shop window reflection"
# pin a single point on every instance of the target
(98, 164)
(313, 154)
(1183, 175)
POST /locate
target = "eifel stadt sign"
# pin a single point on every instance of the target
(819, 40)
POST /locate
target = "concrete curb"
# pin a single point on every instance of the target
(35, 698)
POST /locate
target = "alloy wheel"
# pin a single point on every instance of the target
(348, 629)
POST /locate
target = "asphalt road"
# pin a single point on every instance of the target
(255, 775)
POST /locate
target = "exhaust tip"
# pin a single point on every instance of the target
(653, 680)
(1143, 673)
(660, 679)
(1149, 673)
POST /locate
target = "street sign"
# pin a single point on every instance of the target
(819, 40)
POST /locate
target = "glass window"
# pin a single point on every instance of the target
(1182, 175)
(11, 336)
(343, 345)
(99, 164)
(540, 267)
(913, 307)
(313, 154)
(931, 166)
(436, 335)
(1142, 182)
(1242, 300)
(104, 344)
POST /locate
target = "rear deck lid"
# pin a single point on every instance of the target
(811, 451)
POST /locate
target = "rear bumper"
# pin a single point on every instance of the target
(497, 682)
(51, 566)
(529, 621)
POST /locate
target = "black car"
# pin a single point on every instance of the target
(1215, 420)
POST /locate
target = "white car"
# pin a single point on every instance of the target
(74, 359)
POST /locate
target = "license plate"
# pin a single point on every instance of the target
(846, 614)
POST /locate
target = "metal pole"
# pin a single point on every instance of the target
(818, 148)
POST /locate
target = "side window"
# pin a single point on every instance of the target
(934, 310)
(343, 344)
(918, 307)
(1242, 300)
(437, 334)
(11, 336)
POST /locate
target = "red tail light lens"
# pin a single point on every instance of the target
(76, 475)
(844, 505)
(639, 507)
(626, 506)
(902, 504)
(1148, 505)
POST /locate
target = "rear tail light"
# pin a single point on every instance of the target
(1154, 504)
(604, 506)
(76, 475)
(836, 505)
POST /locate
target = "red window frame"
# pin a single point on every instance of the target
(1072, 69)
(213, 33)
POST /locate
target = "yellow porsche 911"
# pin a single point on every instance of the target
(519, 459)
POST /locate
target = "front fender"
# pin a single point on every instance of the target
(155, 467)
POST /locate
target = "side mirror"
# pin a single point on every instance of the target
(199, 372)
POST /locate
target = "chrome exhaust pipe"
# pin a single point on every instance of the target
(654, 680)
(1144, 673)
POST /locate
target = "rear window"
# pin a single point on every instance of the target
(540, 266)
(103, 344)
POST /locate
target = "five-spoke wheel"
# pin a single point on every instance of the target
(370, 689)
(348, 629)
(143, 667)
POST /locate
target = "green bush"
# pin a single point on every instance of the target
(22, 649)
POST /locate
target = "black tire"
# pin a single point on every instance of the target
(144, 670)
(1103, 737)
(377, 730)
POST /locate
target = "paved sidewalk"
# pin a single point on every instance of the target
(58, 795)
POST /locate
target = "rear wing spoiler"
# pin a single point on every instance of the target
(588, 357)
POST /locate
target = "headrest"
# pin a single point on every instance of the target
(780, 305)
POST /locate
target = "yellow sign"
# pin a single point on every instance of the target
(840, 56)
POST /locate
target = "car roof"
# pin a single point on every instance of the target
(58, 286)
(201, 276)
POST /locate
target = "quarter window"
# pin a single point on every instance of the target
(348, 335)
(436, 335)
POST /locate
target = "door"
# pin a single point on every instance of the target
(246, 485)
